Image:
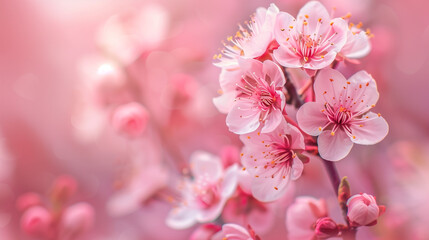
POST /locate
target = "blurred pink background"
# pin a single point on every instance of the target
(52, 123)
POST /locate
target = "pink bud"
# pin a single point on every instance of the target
(76, 220)
(130, 119)
(326, 228)
(363, 210)
(63, 189)
(205, 232)
(28, 200)
(36, 221)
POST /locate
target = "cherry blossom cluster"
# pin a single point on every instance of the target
(56, 219)
(285, 98)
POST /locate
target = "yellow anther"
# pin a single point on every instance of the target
(229, 38)
(306, 16)
(332, 133)
(359, 25)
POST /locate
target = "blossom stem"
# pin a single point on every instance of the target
(291, 89)
(332, 174)
(350, 233)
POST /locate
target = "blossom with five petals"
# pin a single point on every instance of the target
(258, 97)
(341, 114)
(311, 41)
(205, 195)
(251, 42)
(272, 160)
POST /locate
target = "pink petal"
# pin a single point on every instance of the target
(274, 73)
(287, 58)
(334, 148)
(243, 118)
(284, 28)
(314, 11)
(230, 180)
(357, 46)
(297, 138)
(228, 79)
(181, 218)
(311, 119)
(273, 120)
(316, 64)
(364, 91)
(251, 66)
(267, 188)
(204, 164)
(340, 29)
(372, 131)
(328, 86)
(224, 102)
(297, 168)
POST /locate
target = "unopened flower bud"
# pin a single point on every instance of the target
(326, 228)
(363, 210)
(76, 220)
(63, 189)
(36, 221)
(130, 119)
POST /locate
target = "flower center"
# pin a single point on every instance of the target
(280, 153)
(340, 118)
(206, 194)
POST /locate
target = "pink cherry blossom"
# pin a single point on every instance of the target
(76, 220)
(258, 97)
(271, 159)
(130, 119)
(302, 215)
(341, 114)
(358, 44)
(311, 41)
(235, 232)
(36, 221)
(204, 196)
(363, 210)
(250, 42)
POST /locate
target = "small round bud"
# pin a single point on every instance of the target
(36, 221)
(130, 119)
(363, 210)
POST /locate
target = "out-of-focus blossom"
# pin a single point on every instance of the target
(363, 210)
(311, 41)
(235, 232)
(341, 114)
(130, 119)
(135, 190)
(302, 215)
(36, 221)
(358, 44)
(205, 232)
(272, 160)
(259, 99)
(205, 196)
(126, 36)
(252, 42)
(326, 228)
(76, 220)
